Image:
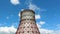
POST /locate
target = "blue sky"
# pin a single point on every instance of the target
(47, 12)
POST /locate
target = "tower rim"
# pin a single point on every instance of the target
(27, 10)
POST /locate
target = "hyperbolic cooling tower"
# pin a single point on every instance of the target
(27, 23)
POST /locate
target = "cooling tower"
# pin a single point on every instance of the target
(27, 23)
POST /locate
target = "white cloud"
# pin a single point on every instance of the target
(15, 2)
(19, 14)
(33, 7)
(7, 30)
(57, 32)
(42, 22)
(22, 9)
(12, 30)
(39, 24)
(37, 16)
(46, 31)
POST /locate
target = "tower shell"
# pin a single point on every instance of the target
(27, 23)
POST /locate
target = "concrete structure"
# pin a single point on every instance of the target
(27, 23)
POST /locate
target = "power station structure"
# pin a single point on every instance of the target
(27, 23)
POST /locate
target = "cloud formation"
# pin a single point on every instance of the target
(15, 2)
(39, 24)
(7, 30)
(37, 16)
(19, 14)
(12, 30)
(33, 7)
(46, 31)
(42, 22)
